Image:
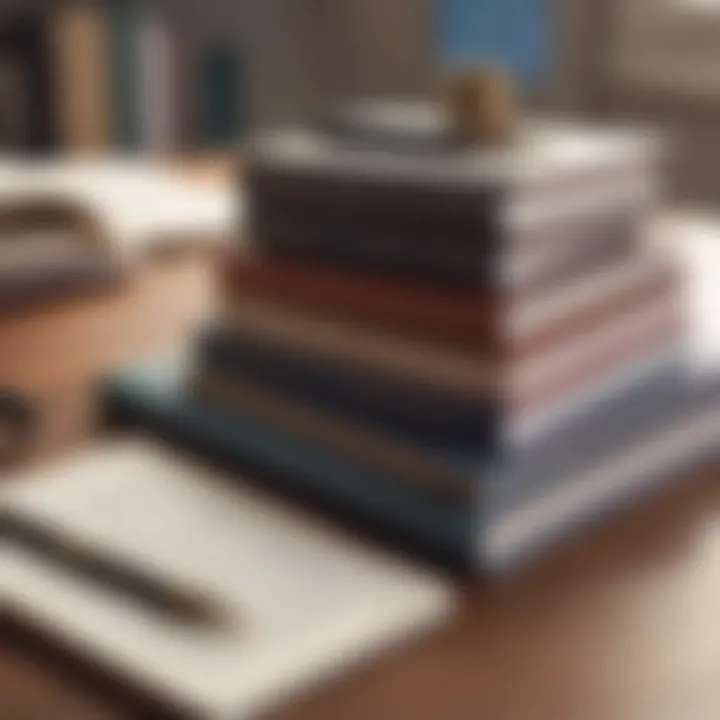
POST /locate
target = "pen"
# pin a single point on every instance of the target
(169, 598)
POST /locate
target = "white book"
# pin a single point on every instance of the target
(581, 159)
(305, 600)
(137, 203)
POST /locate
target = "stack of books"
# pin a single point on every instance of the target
(446, 339)
(82, 77)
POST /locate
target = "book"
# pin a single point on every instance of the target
(446, 469)
(508, 324)
(80, 43)
(132, 206)
(304, 600)
(46, 262)
(186, 49)
(158, 102)
(532, 527)
(397, 457)
(314, 337)
(551, 157)
(220, 94)
(485, 536)
(124, 18)
(29, 113)
(354, 244)
(465, 217)
(424, 386)
(472, 218)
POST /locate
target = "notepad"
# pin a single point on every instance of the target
(312, 599)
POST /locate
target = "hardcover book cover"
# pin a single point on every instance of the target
(507, 324)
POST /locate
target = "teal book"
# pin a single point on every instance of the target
(221, 95)
(124, 22)
(155, 398)
(512, 515)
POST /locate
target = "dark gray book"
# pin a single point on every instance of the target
(461, 215)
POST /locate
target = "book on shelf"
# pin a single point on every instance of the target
(29, 112)
(220, 94)
(124, 72)
(80, 42)
(86, 77)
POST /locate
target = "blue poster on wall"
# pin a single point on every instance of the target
(511, 33)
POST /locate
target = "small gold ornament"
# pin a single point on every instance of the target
(480, 106)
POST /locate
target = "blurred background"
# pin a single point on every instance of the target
(123, 126)
(242, 64)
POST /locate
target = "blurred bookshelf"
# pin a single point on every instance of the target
(115, 77)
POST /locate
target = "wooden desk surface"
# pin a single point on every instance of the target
(622, 623)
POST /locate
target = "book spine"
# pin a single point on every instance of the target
(372, 250)
(28, 84)
(502, 324)
(401, 406)
(409, 462)
(471, 238)
(124, 71)
(81, 41)
(443, 530)
(157, 107)
(220, 94)
(463, 217)
(465, 318)
(184, 81)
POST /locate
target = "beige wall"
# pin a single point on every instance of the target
(386, 47)
(376, 48)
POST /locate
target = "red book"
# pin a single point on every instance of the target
(504, 325)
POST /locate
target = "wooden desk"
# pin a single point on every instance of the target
(621, 624)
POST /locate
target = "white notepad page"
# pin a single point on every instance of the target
(309, 599)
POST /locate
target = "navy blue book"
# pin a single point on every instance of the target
(404, 407)
(422, 414)
(567, 443)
